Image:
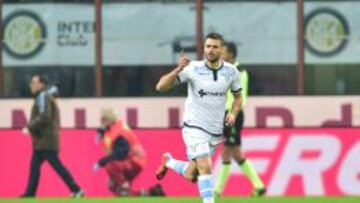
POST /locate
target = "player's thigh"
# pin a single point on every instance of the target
(227, 153)
(197, 143)
(237, 154)
(239, 126)
(232, 136)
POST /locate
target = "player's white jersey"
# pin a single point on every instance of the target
(207, 94)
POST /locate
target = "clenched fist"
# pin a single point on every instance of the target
(183, 61)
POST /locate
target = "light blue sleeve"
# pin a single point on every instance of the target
(41, 102)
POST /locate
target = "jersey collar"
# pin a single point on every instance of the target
(221, 65)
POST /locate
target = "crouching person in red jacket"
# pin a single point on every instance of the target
(125, 157)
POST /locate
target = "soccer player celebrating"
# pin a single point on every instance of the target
(208, 82)
(232, 134)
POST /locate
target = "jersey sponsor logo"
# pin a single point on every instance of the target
(204, 73)
(203, 93)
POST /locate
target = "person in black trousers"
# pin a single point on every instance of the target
(44, 130)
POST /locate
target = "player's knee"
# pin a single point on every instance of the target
(205, 170)
(226, 158)
(194, 179)
(238, 156)
(204, 167)
(188, 175)
(192, 175)
(241, 160)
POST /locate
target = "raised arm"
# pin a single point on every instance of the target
(168, 80)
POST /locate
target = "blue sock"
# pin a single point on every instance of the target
(206, 187)
(178, 166)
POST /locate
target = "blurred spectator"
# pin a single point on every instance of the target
(44, 130)
(125, 157)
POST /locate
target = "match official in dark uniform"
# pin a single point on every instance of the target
(232, 134)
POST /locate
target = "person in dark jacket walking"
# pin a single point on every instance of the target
(44, 130)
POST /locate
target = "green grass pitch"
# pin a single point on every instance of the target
(191, 200)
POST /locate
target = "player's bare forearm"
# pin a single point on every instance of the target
(167, 81)
(236, 105)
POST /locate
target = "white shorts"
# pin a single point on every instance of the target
(199, 143)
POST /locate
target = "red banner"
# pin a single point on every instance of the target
(290, 161)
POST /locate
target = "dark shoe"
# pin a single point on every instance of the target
(162, 169)
(156, 190)
(78, 194)
(258, 192)
(26, 196)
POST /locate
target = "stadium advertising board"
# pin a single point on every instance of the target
(292, 162)
(63, 34)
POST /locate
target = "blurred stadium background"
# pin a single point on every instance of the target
(302, 118)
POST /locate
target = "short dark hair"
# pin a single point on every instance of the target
(231, 47)
(42, 78)
(216, 36)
